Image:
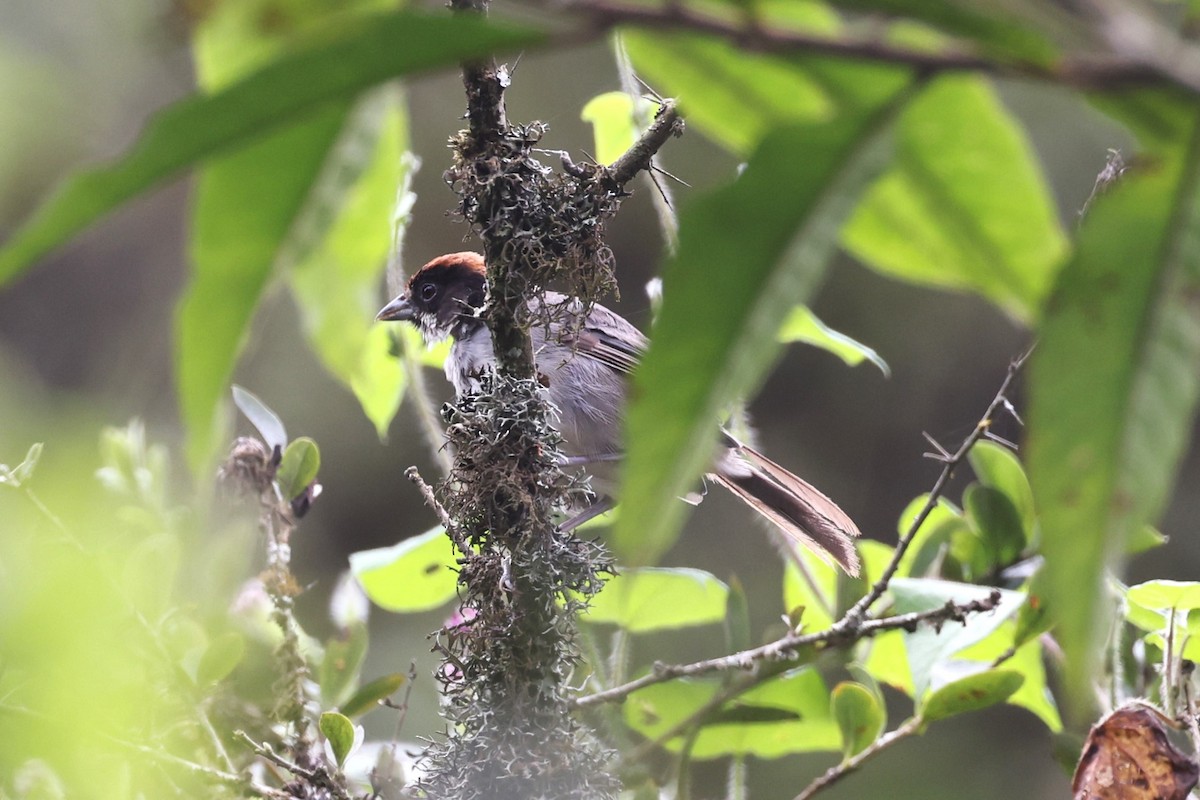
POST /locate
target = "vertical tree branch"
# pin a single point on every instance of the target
(509, 703)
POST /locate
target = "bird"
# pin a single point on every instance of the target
(585, 365)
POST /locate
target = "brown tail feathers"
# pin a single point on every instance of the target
(802, 512)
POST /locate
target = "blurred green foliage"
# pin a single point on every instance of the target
(119, 656)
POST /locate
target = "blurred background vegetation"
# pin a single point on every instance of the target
(86, 341)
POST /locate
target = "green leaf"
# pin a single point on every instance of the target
(1113, 388)
(414, 575)
(433, 355)
(339, 731)
(802, 325)
(300, 465)
(1159, 117)
(1143, 538)
(964, 205)
(266, 421)
(972, 693)
(929, 648)
(1144, 618)
(1027, 660)
(368, 697)
(220, 658)
(651, 599)
(998, 467)
(737, 618)
(1034, 694)
(714, 338)
(244, 206)
(989, 26)
(1165, 595)
(350, 57)
(859, 714)
(732, 96)
(613, 123)
(800, 720)
(345, 236)
(887, 662)
(1033, 619)
(875, 558)
(255, 209)
(815, 592)
(339, 670)
(1186, 644)
(994, 517)
(931, 542)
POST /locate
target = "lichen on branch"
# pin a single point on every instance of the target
(511, 733)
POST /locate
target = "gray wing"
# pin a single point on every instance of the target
(605, 337)
(609, 339)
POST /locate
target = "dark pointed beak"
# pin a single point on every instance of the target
(399, 310)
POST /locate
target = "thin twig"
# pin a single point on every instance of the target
(317, 776)
(427, 415)
(228, 778)
(401, 708)
(265, 751)
(858, 611)
(836, 773)
(638, 157)
(664, 206)
(443, 516)
(786, 646)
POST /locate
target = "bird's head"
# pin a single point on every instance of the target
(443, 298)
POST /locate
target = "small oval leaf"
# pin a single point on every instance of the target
(998, 467)
(859, 715)
(996, 519)
(365, 698)
(299, 467)
(972, 693)
(268, 423)
(339, 731)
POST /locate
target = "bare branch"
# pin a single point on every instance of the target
(857, 612)
(785, 647)
(836, 773)
(1112, 70)
(443, 516)
(666, 124)
(317, 776)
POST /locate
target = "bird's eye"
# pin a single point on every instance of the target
(428, 291)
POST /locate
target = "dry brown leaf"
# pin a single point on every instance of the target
(1128, 756)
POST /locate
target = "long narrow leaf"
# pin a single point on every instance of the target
(361, 55)
(233, 249)
(748, 253)
(1114, 388)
